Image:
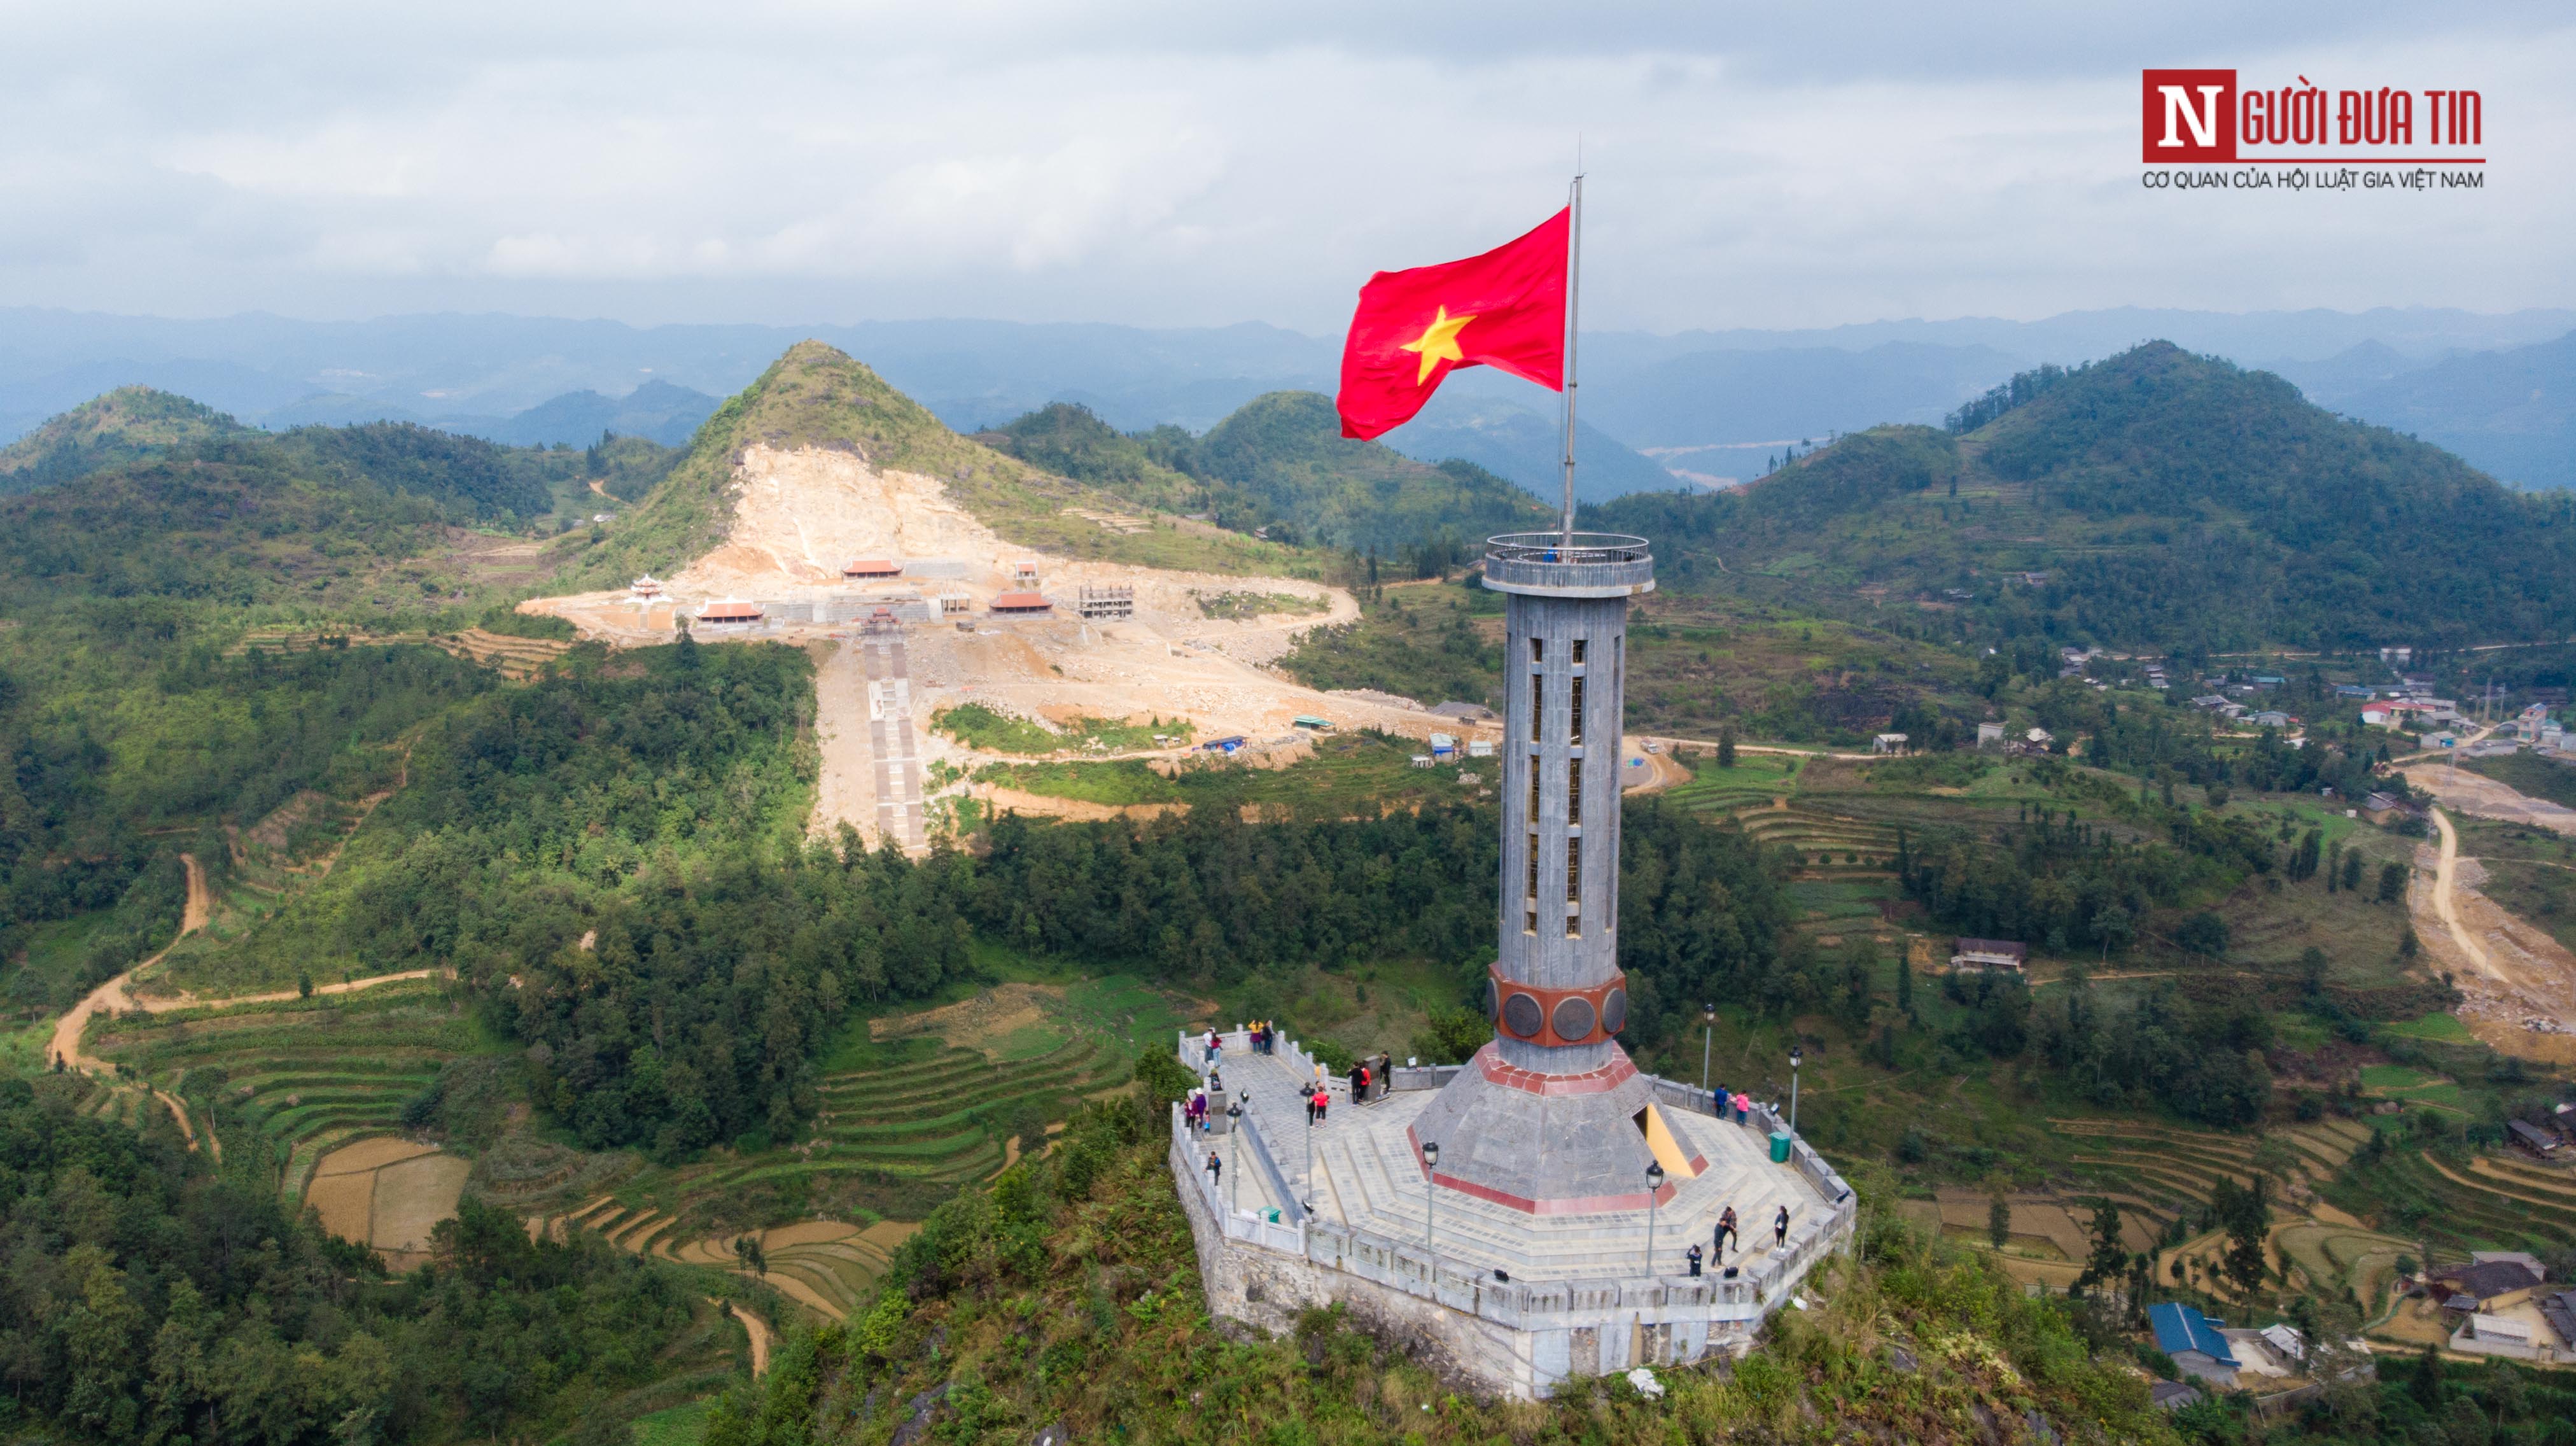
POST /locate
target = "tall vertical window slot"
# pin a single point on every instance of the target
(1533, 808)
(1578, 651)
(1532, 891)
(1537, 702)
(1574, 871)
(1538, 650)
(1574, 925)
(1574, 792)
(1574, 728)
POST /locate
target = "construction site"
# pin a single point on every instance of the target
(914, 606)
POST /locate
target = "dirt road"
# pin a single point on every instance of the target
(758, 1330)
(2445, 877)
(112, 997)
(2518, 984)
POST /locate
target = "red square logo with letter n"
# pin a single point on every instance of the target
(2189, 116)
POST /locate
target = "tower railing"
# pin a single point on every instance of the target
(1594, 564)
(1551, 547)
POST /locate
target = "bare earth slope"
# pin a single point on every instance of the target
(794, 511)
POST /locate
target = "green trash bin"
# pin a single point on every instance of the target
(1779, 1147)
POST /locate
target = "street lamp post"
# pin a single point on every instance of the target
(1430, 1188)
(1654, 1202)
(1796, 1054)
(1708, 1032)
(1234, 1127)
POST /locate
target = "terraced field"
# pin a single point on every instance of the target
(294, 1082)
(2174, 1168)
(944, 1116)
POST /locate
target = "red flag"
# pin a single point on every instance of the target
(1503, 309)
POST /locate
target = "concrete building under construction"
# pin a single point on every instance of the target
(1105, 604)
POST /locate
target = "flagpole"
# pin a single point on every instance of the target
(1573, 303)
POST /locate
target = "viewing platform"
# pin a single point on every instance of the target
(1517, 1301)
(1595, 565)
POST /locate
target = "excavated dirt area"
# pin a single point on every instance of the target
(2518, 984)
(801, 515)
(2479, 796)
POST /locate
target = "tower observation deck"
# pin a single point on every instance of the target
(1551, 1117)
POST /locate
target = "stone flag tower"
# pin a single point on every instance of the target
(1551, 1117)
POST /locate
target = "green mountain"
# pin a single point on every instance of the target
(1279, 463)
(467, 476)
(1286, 450)
(242, 522)
(124, 425)
(1065, 437)
(817, 396)
(2162, 499)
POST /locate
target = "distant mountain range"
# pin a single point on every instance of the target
(1704, 408)
(2156, 498)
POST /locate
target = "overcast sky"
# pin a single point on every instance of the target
(1217, 161)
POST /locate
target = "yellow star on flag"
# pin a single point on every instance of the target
(1438, 343)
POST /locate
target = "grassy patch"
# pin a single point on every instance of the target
(1353, 774)
(1244, 606)
(2435, 1028)
(1435, 643)
(987, 730)
(2524, 773)
(678, 1426)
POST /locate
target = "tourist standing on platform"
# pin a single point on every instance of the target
(1694, 1260)
(1780, 1229)
(1726, 1231)
(1323, 1097)
(1216, 1171)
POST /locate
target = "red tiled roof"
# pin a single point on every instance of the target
(871, 567)
(728, 612)
(1021, 602)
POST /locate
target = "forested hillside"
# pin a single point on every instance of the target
(2167, 500)
(1286, 450)
(1280, 463)
(148, 1299)
(120, 426)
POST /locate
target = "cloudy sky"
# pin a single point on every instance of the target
(1223, 160)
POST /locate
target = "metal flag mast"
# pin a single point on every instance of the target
(1573, 302)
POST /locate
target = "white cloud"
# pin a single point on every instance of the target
(1172, 163)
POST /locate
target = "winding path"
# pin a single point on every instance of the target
(758, 1330)
(2444, 903)
(117, 997)
(112, 997)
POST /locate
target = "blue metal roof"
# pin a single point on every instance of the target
(2180, 1328)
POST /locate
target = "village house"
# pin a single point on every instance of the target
(2533, 1139)
(1973, 956)
(2498, 1281)
(2194, 1342)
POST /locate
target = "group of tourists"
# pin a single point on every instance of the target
(1263, 1035)
(1730, 1105)
(1726, 1231)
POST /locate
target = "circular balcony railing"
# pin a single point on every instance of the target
(1592, 564)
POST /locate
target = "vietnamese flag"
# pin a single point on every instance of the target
(1503, 309)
